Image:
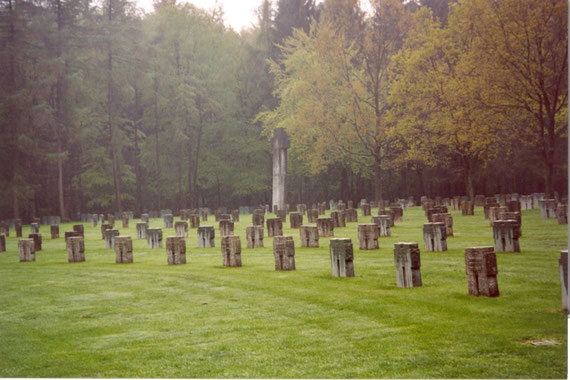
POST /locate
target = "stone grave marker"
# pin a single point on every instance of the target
(481, 270)
(342, 257)
(407, 262)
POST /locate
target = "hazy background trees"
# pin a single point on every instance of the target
(103, 107)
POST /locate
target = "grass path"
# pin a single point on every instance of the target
(148, 319)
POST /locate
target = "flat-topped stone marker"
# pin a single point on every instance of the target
(309, 236)
(563, 268)
(75, 246)
(312, 215)
(447, 220)
(2, 243)
(181, 228)
(274, 227)
(408, 263)
(34, 228)
(506, 234)
(383, 222)
(435, 237)
(168, 220)
(175, 250)
(37, 241)
(206, 236)
(325, 227)
(110, 236)
(141, 228)
(27, 251)
(338, 219)
(54, 231)
(342, 257)
(154, 238)
(258, 217)
(366, 210)
(254, 236)
(368, 236)
(231, 251)
(350, 215)
(284, 252)
(467, 208)
(226, 227)
(295, 219)
(481, 270)
(123, 250)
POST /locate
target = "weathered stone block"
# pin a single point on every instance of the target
(258, 217)
(26, 248)
(563, 268)
(75, 249)
(350, 215)
(168, 220)
(154, 238)
(2, 243)
(274, 227)
(562, 214)
(325, 226)
(204, 215)
(383, 222)
(123, 246)
(281, 214)
(342, 257)
(447, 220)
(435, 210)
(125, 221)
(235, 216)
(312, 215)
(231, 251)
(467, 208)
(296, 219)
(145, 218)
(54, 231)
(141, 228)
(408, 263)
(226, 227)
(481, 270)
(506, 234)
(69, 234)
(366, 210)
(487, 206)
(513, 206)
(398, 213)
(284, 252)
(34, 228)
(309, 236)
(254, 236)
(338, 219)
(495, 213)
(111, 220)
(5, 228)
(435, 237)
(368, 236)
(206, 236)
(79, 229)
(181, 228)
(341, 206)
(18, 227)
(176, 249)
(110, 236)
(37, 241)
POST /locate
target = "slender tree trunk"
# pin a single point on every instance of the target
(59, 113)
(377, 181)
(179, 173)
(422, 188)
(138, 176)
(196, 190)
(157, 151)
(468, 170)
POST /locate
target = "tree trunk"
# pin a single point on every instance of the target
(196, 190)
(469, 179)
(138, 176)
(59, 114)
(157, 151)
(15, 202)
(377, 181)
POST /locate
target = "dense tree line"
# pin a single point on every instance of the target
(103, 107)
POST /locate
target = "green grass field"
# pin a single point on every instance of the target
(148, 319)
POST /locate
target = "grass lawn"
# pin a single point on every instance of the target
(148, 319)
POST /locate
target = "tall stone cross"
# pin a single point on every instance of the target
(280, 143)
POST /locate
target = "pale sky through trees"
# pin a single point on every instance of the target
(237, 13)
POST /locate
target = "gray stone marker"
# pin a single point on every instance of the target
(389, 213)
(145, 218)
(325, 227)
(2, 243)
(296, 219)
(175, 250)
(350, 215)
(168, 220)
(154, 238)
(338, 219)
(366, 210)
(94, 219)
(110, 236)
(341, 206)
(342, 257)
(224, 217)
(383, 222)
(398, 213)
(181, 228)
(258, 217)
(204, 215)
(489, 202)
(455, 203)
(231, 251)
(481, 270)
(69, 234)
(281, 214)
(513, 206)
(26, 248)
(309, 236)
(408, 263)
(206, 236)
(447, 220)
(284, 252)
(75, 246)
(79, 229)
(467, 208)
(226, 227)
(435, 210)
(254, 236)
(34, 228)
(495, 213)
(111, 219)
(435, 238)
(312, 215)
(125, 221)
(562, 214)
(235, 216)
(194, 220)
(54, 231)
(141, 228)
(123, 250)
(5, 229)
(368, 236)
(18, 227)
(274, 227)
(280, 143)
(37, 241)
(563, 267)
(506, 234)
